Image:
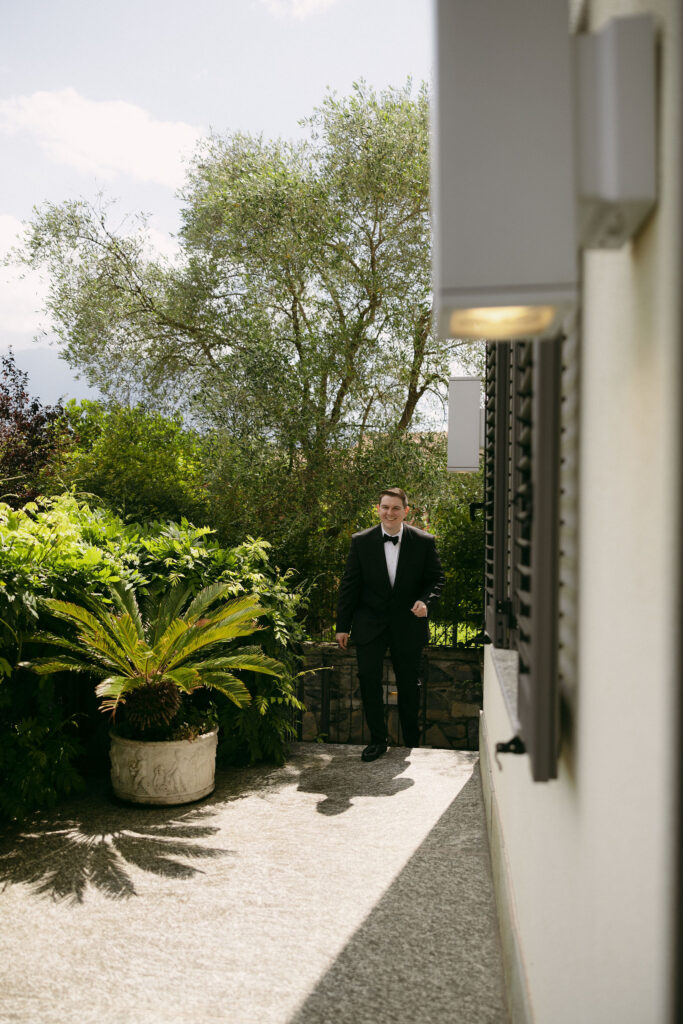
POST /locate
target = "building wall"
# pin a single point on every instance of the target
(585, 863)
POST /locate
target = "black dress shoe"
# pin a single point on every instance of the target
(374, 751)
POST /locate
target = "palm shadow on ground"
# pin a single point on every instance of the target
(95, 840)
(91, 843)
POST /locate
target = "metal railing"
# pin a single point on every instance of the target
(467, 631)
(441, 634)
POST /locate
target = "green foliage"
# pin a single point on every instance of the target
(142, 464)
(299, 309)
(56, 546)
(295, 328)
(48, 547)
(38, 747)
(262, 729)
(149, 655)
(59, 547)
(460, 538)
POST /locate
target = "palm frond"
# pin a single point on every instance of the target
(187, 679)
(43, 637)
(230, 685)
(171, 634)
(75, 614)
(199, 639)
(204, 599)
(248, 661)
(134, 648)
(235, 611)
(107, 650)
(100, 655)
(45, 666)
(125, 600)
(167, 609)
(111, 692)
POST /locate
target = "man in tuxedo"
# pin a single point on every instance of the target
(392, 578)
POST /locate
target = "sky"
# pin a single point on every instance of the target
(104, 97)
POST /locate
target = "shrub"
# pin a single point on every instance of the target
(31, 437)
(460, 540)
(38, 746)
(141, 463)
(261, 730)
(59, 547)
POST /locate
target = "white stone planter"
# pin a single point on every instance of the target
(167, 772)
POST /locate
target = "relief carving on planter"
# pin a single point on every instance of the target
(163, 772)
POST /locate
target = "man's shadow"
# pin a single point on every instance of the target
(343, 777)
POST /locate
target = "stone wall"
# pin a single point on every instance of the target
(451, 698)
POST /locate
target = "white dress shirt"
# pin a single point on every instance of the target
(391, 552)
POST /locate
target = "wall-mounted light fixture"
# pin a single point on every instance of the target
(543, 143)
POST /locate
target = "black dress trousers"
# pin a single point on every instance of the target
(406, 662)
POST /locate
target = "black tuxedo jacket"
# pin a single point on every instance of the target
(367, 601)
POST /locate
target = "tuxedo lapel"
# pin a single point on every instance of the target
(379, 558)
(403, 555)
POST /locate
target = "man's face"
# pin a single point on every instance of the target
(391, 513)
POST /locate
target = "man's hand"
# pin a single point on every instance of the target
(419, 609)
(343, 640)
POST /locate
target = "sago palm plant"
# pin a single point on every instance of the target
(152, 655)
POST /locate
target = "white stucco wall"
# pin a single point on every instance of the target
(590, 855)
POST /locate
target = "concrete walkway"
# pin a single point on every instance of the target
(324, 892)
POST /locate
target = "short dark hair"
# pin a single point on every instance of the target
(395, 492)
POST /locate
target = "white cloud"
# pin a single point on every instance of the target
(22, 293)
(11, 233)
(106, 138)
(299, 9)
(161, 244)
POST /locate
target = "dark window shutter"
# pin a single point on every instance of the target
(496, 494)
(530, 511)
(536, 587)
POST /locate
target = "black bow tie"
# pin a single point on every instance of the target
(394, 540)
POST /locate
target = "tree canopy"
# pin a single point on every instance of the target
(300, 305)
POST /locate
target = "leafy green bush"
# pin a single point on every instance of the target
(460, 540)
(38, 746)
(261, 730)
(151, 466)
(153, 657)
(60, 547)
(141, 463)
